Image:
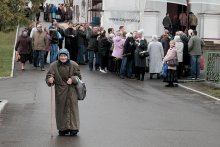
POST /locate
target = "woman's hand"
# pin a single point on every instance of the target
(51, 80)
(69, 81)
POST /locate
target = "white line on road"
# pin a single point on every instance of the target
(2, 104)
(199, 92)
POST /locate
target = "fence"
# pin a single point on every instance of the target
(213, 66)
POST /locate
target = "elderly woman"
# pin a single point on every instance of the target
(62, 74)
(156, 53)
(171, 55)
(179, 47)
(23, 48)
(140, 56)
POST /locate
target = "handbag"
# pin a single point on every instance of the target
(143, 54)
(80, 89)
(173, 62)
(17, 57)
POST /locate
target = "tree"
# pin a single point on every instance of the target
(13, 13)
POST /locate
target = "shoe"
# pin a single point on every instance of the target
(142, 79)
(197, 78)
(122, 77)
(169, 85)
(73, 132)
(34, 67)
(63, 133)
(158, 76)
(193, 78)
(90, 69)
(131, 77)
(82, 63)
(103, 71)
(42, 69)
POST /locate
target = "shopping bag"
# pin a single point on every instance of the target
(202, 63)
(164, 71)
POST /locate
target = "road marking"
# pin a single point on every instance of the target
(199, 92)
(2, 104)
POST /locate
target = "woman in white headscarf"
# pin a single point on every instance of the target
(156, 53)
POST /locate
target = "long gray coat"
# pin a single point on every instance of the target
(66, 101)
(156, 53)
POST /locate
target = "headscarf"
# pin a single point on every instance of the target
(65, 52)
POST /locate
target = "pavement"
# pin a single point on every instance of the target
(115, 113)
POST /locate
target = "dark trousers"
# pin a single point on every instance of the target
(104, 61)
(180, 70)
(38, 56)
(140, 72)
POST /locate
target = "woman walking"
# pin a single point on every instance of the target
(24, 48)
(62, 74)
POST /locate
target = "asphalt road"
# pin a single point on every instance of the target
(116, 113)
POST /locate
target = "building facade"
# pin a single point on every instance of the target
(148, 15)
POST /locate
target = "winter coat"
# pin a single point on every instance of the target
(93, 42)
(171, 54)
(71, 39)
(39, 41)
(165, 40)
(23, 45)
(129, 48)
(81, 37)
(183, 19)
(179, 48)
(167, 22)
(118, 47)
(193, 21)
(66, 101)
(195, 45)
(138, 60)
(156, 53)
(103, 46)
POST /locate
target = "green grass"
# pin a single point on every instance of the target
(7, 41)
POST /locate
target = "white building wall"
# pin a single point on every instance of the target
(152, 16)
(209, 20)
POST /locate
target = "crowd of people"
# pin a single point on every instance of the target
(112, 51)
(62, 12)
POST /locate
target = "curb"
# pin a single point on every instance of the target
(2, 104)
(199, 92)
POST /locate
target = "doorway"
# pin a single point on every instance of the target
(175, 10)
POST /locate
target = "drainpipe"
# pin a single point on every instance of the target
(188, 10)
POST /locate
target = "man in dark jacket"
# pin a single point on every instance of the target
(71, 42)
(93, 48)
(128, 56)
(81, 45)
(167, 23)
